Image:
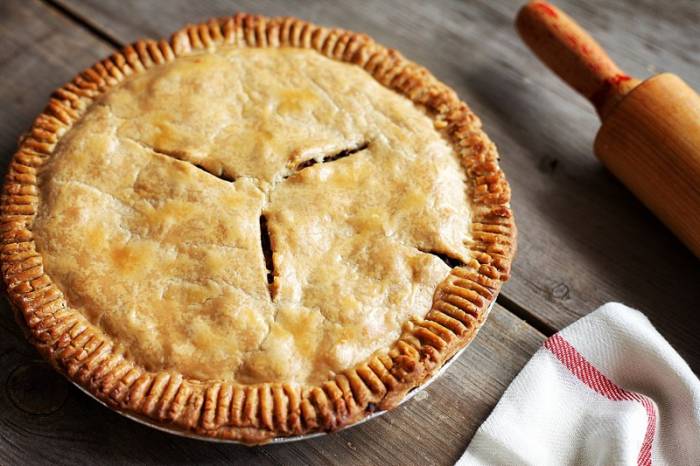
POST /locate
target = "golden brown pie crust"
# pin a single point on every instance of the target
(256, 413)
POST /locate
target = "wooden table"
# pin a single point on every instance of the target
(584, 239)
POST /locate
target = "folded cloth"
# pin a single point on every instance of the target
(606, 390)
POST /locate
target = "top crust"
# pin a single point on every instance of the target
(167, 257)
(261, 393)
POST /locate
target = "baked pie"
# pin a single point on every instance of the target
(260, 228)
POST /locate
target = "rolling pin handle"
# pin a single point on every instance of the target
(574, 55)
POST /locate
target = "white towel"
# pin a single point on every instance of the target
(606, 390)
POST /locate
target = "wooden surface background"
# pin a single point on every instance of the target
(584, 240)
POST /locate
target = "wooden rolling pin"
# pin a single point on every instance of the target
(650, 132)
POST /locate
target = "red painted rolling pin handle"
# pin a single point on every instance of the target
(574, 55)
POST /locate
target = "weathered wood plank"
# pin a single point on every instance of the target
(584, 240)
(40, 51)
(571, 215)
(44, 419)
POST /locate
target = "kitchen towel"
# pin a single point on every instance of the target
(606, 390)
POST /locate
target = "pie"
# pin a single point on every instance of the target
(260, 228)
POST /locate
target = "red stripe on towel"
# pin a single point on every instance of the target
(594, 379)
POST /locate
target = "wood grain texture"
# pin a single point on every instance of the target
(651, 141)
(583, 238)
(40, 51)
(572, 215)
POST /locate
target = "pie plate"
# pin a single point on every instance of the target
(259, 229)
